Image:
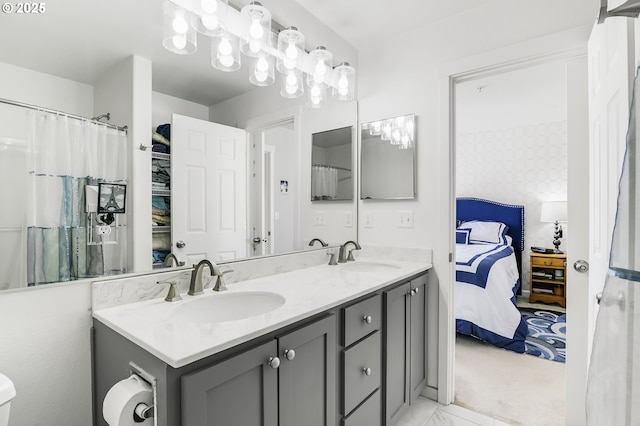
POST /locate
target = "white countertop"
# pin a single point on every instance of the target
(307, 291)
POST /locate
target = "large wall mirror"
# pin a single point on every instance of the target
(34, 74)
(387, 159)
(331, 165)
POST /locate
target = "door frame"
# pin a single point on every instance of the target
(564, 46)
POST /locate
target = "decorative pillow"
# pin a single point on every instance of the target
(486, 232)
(462, 236)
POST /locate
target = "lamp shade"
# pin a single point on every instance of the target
(553, 211)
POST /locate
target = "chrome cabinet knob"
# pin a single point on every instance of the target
(181, 244)
(367, 319)
(366, 371)
(290, 354)
(274, 362)
(416, 290)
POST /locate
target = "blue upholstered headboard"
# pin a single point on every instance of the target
(479, 209)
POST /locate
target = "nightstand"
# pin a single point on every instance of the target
(548, 273)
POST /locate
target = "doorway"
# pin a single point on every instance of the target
(511, 148)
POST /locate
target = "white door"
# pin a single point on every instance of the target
(208, 194)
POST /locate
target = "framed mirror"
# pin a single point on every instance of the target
(387, 159)
(332, 165)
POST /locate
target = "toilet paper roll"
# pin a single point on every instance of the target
(123, 397)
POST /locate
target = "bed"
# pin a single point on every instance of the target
(489, 244)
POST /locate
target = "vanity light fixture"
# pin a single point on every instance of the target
(250, 31)
(397, 131)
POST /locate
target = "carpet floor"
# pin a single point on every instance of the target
(516, 388)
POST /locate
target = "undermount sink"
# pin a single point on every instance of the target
(361, 266)
(225, 307)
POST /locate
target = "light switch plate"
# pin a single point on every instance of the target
(367, 219)
(348, 219)
(319, 219)
(404, 218)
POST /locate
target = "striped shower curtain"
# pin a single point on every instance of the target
(63, 156)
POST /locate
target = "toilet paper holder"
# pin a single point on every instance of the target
(144, 411)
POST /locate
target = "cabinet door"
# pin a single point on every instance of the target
(418, 340)
(396, 356)
(308, 375)
(242, 390)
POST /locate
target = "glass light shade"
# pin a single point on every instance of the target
(262, 70)
(553, 211)
(178, 36)
(344, 85)
(290, 49)
(208, 15)
(316, 96)
(292, 84)
(320, 67)
(257, 36)
(225, 51)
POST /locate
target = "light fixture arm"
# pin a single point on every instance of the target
(630, 9)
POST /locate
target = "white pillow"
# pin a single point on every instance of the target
(486, 232)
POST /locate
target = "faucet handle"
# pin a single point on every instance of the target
(350, 257)
(174, 294)
(220, 285)
(332, 260)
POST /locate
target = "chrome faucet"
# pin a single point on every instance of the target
(172, 260)
(345, 255)
(196, 285)
(318, 240)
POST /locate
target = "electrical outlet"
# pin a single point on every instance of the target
(103, 230)
(348, 219)
(367, 219)
(404, 218)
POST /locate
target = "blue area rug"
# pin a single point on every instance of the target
(547, 336)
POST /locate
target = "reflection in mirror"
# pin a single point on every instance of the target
(387, 159)
(331, 165)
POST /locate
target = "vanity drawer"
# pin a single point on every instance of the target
(368, 414)
(361, 371)
(362, 319)
(548, 261)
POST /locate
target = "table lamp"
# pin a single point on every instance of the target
(554, 212)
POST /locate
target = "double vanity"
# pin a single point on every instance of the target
(321, 345)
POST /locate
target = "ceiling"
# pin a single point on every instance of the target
(82, 39)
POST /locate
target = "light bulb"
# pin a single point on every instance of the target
(343, 83)
(262, 65)
(289, 64)
(226, 60)
(291, 89)
(179, 41)
(321, 68)
(292, 80)
(225, 48)
(209, 6)
(315, 91)
(210, 22)
(179, 24)
(318, 78)
(260, 76)
(255, 30)
(255, 46)
(343, 91)
(291, 51)
(315, 100)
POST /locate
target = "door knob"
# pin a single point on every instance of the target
(581, 265)
(181, 244)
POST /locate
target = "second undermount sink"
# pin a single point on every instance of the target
(363, 266)
(225, 307)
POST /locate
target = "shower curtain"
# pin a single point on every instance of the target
(613, 387)
(324, 182)
(63, 156)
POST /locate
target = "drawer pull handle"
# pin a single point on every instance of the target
(290, 354)
(367, 319)
(548, 263)
(274, 362)
(366, 371)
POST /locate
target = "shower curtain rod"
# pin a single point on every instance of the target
(53, 111)
(331, 167)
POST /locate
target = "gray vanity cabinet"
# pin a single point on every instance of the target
(405, 352)
(288, 381)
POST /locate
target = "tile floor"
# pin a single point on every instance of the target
(425, 412)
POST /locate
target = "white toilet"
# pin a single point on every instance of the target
(7, 392)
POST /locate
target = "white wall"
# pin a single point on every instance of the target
(165, 105)
(45, 332)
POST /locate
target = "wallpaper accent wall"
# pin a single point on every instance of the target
(522, 165)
